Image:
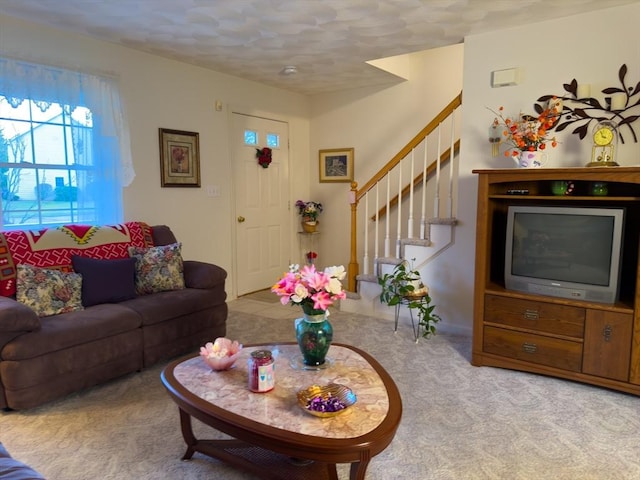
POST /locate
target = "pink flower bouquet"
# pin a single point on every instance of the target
(313, 290)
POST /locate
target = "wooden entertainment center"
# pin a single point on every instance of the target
(595, 343)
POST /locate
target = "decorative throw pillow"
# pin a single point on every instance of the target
(158, 268)
(105, 281)
(48, 292)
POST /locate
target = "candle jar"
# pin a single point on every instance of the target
(561, 187)
(261, 371)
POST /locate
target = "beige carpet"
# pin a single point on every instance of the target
(459, 421)
(265, 296)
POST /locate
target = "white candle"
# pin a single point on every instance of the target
(584, 90)
(618, 101)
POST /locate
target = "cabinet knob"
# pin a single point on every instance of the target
(529, 347)
(607, 333)
(531, 314)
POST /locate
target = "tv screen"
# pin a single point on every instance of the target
(571, 252)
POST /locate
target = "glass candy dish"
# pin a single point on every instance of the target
(222, 354)
(326, 401)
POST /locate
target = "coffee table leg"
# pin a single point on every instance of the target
(187, 434)
(359, 470)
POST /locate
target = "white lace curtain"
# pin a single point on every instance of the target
(111, 149)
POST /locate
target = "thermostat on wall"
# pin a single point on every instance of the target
(504, 78)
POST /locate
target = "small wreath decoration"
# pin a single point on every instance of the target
(264, 156)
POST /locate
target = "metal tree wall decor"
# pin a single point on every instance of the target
(581, 112)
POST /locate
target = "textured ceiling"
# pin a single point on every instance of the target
(328, 41)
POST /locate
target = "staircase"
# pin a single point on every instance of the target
(405, 211)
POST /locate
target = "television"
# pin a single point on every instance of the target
(568, 252)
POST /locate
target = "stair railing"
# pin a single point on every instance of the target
(435, 177)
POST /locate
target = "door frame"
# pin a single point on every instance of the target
(244, 110)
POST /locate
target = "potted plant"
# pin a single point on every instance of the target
(309, 211)
(403, 285)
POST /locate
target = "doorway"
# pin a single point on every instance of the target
(262, 224)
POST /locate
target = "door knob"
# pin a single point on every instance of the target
(241, 219)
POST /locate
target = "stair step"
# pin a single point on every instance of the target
(355, 295)
(367, 278)
(388, 261)
(443, 221)
(416, 241)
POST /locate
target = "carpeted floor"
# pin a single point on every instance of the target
(265, 296)
(459, 422)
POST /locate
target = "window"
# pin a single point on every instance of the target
(64, 147)
(273, 140)
(250, 137)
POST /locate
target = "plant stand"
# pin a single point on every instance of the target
(405, 301)
(308, 243)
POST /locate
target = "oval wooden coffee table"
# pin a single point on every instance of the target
(273, 437)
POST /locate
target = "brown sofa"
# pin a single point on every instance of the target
(45, 358)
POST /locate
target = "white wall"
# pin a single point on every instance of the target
(160, 93)
(377, 122)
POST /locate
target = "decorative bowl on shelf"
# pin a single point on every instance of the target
(326, 401)
(221, 354)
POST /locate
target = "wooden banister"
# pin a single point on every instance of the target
(413, 143)
(431, 169)
(358, 194)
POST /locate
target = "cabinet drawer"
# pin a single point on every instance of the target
(540, 316)
(539, 349)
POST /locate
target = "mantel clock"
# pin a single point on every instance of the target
(605, 140)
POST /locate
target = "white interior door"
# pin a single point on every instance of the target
(261, 202)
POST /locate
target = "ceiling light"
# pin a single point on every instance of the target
(289, 70)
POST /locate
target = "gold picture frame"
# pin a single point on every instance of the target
(336, 165)
(179, 158)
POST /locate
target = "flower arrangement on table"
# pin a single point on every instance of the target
(313, 290)
(264, 156)
(525, 133)
(309, 211)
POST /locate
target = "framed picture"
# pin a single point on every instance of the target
(179, 158)
(336, 165)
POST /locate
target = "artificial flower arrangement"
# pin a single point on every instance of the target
(313, 290)
(221, 354)
(309, 211)
(526, 133)
(264, 156)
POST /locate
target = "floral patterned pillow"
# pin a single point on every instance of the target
(48, 292)
(158, 268)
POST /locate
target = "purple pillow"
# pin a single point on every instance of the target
(105, 281)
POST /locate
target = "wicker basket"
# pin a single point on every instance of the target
(309, 227)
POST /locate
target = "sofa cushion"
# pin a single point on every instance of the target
(105, 281)
(16, 318)
(59, 332)
(48, 292)
(158, 269)
(163, 306)
(203, 275)
(162, 235)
